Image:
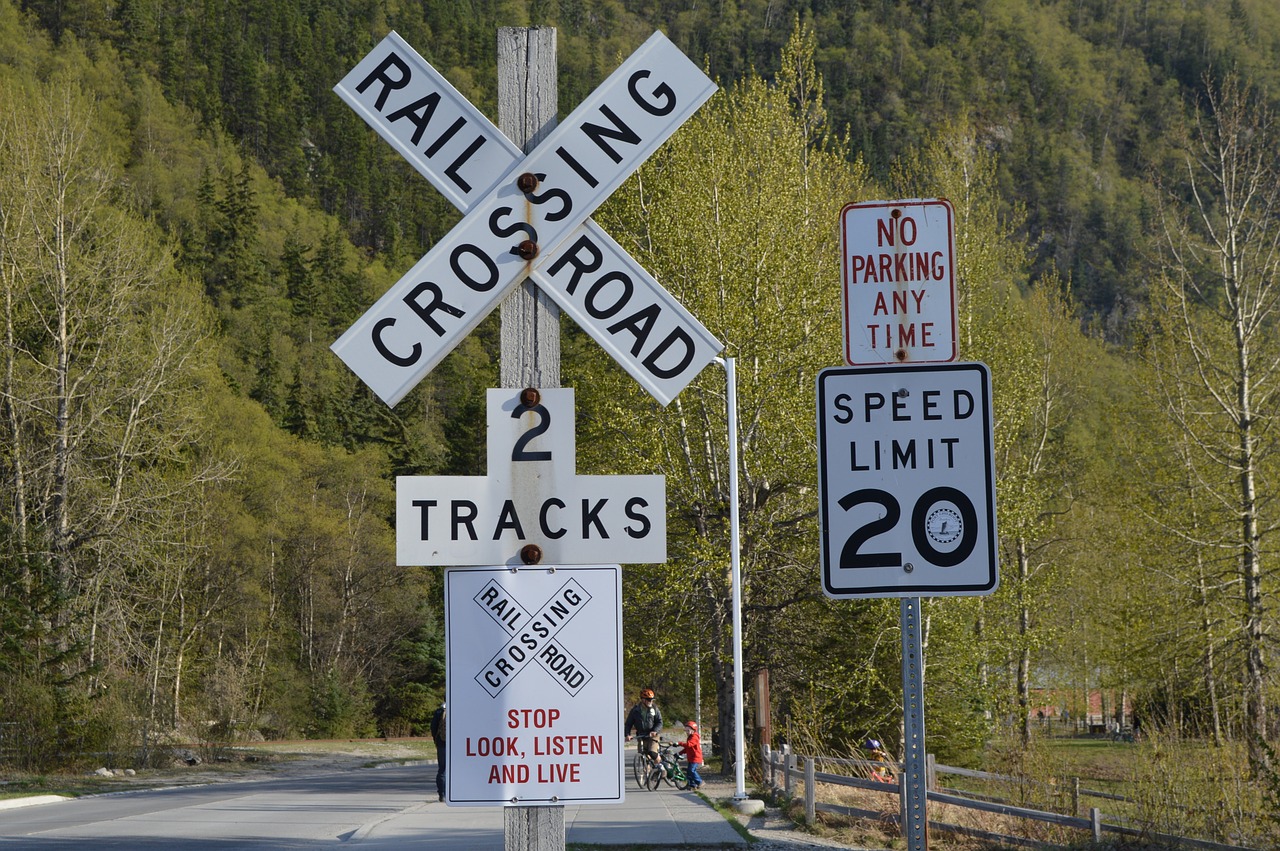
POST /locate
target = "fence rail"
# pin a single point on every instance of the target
(781, 773)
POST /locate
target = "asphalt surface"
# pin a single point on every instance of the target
(390, 807)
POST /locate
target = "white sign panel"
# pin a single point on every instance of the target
(906, 481)
(534, 660)
(898, 264)
(446, 294)
(531, 495)
(435, 128)
(624, 309)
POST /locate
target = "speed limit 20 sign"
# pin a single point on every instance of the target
(906, 481)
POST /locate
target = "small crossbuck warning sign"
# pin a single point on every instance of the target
(534, 673)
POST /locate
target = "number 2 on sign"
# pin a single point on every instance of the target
(933, 520)
(518, 452)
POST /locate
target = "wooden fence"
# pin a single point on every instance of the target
(783, 771)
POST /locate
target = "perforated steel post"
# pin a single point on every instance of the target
(915, 822)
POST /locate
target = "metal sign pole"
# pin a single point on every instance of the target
(915, 814)
(530, 350)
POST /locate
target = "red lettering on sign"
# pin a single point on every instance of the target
(511, 773)
(560, 772)
(571, 745)
(890, 336)
(906, 267)
(494, 746)
(532, 717)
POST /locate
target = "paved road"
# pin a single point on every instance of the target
(381, 808)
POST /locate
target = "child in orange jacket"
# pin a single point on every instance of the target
(692, 747)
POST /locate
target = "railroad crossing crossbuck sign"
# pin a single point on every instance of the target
(526, 216)
(906, 481)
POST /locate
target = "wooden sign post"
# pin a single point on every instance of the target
(530, 351)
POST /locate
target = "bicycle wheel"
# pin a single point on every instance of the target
(657, 774)
(640, 768)
(680, 777)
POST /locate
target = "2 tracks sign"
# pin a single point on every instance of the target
(532, 495)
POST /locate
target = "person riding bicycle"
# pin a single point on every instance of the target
(646, 719)
(882, 768)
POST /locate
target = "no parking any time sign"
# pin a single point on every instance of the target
(898, 262)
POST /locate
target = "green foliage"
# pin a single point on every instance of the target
(249, 569)
(731, 215)
(340, 709)
(407, 708)
(50, 726)
(1190, 789)
(29, 707)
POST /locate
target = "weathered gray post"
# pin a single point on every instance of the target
(530, 350)
(527, 97)
(810, 791)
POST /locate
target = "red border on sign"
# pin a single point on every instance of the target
(900, 356)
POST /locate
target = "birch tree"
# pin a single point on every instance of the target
(737, 216)
(105, 353)
(1220, 274)
(1023, 330)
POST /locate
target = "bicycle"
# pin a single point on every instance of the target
(880, 767)
(643, 763)
(671, 767)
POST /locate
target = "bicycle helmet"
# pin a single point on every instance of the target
(692, 725)
(872, 744)
(646, 694)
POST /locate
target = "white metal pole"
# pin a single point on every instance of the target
(739, 737)
(697, 685)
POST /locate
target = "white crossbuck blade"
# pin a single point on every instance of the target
(468, 272)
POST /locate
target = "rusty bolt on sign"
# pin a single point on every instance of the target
(527, 182)
(528, 249)
(531, 553)
(530, 397)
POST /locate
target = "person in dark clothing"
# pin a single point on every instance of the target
(438, 736)
(646, 720)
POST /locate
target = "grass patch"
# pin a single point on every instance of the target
(726, 809)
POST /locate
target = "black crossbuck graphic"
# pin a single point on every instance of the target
(533, 637)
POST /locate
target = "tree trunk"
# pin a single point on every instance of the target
(1207, 658)
(1024, 636)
